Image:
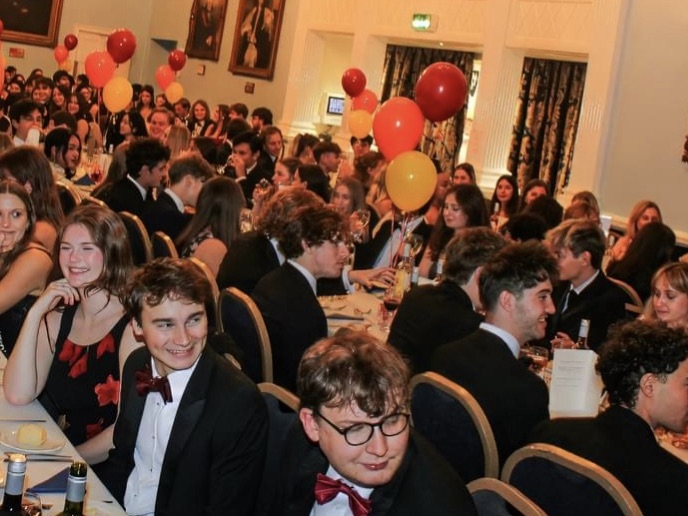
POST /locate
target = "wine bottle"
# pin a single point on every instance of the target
(14, 486)
(76, 489)
(582, 342)
(404, 270)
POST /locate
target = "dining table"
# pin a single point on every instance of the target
(52, 458)
(360, 310)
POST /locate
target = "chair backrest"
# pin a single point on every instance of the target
(565, 484)
(635, 306)
(69, 197)
(242, 319)
(282, 414)
(452, 420)
(92, 200)
(163, 246)
(213, 320)
(491, 497)
(141, 248)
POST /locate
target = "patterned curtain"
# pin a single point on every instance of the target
(546, 121)
(403, 66)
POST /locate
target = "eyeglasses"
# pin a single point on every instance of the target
(360, 433)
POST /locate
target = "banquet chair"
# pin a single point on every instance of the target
(141, 248)
(283, 409)
(565, 484)
(213, 320)
(242, 320)
(452, 420)
(163, 246)
(635, 306)
(69, 197)
(92, 200)
(492, 497)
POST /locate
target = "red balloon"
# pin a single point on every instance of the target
(441, 91)
(71, 41)
(121, 45)
(2, 26)
(99, 68)
(353, 82)
(398, 126)
(176, 60)
(366, 101)
(61, 54)
(164, 76)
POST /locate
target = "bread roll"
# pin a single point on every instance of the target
(32, 435)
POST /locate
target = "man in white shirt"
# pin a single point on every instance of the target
(354, 452)
(191, 434)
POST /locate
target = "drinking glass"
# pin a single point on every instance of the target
(359, 224)
(246, 220)
(537, 356)
(416, 242)
(388, 308)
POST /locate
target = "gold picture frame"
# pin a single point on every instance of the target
(256, 38)
(206, 25)
(34, 22)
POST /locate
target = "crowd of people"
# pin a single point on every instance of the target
(116, 350)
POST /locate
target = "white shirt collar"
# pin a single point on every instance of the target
(140, 188)
(507, 337)
(275, 245)
(580, 288)
(178, 379)
(177, 201)
(307, 274)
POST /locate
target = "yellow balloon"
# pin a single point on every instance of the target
(360, 123)
(411, 179)
(117, 94)
(174, 92)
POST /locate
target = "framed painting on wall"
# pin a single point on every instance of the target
(206, 24)
(256, 38)
(34, 22)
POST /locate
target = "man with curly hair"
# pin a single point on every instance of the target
(644, 367)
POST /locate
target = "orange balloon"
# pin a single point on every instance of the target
(61, 54)
(366, 100)
(117, 94)
(164, 76)
(411, 179)
(360, 123)
(99, 68)
(398, 126)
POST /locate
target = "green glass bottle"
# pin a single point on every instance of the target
(14, 486)
(76, 489)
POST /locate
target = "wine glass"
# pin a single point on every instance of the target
(537, 357)
(388, 307)
(416, 242)
(246, 220)
(359, 223)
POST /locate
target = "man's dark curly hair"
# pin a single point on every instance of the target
(313, 225)
(635, 349)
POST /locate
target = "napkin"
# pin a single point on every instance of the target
(55, 484)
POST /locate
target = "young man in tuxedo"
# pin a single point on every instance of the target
(644, 367)
(146, 160)
(190, 437)
(354, 452)
(584, 291)
(187, 175)
(516, 289)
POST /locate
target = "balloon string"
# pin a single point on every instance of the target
(404, 224)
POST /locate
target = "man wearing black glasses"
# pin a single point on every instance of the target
(362, 457)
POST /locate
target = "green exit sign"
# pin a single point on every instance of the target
(424, 22)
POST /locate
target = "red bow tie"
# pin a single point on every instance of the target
(145, 383)
(326, 489)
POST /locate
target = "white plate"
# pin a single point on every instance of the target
(52, 443)
(98, 508)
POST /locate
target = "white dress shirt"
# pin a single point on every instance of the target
(507, 337)
(151, 443)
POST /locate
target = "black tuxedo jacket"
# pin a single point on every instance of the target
(424, 484)
(163, 215)
(294, 319)
(252, 179)
(602, 302)
(249, 258)
(514, 399)
(429, 316)
(124, 196)
(624, 444)
(215, 454)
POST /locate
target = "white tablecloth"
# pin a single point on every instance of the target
(98, 498)
(362, 306)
